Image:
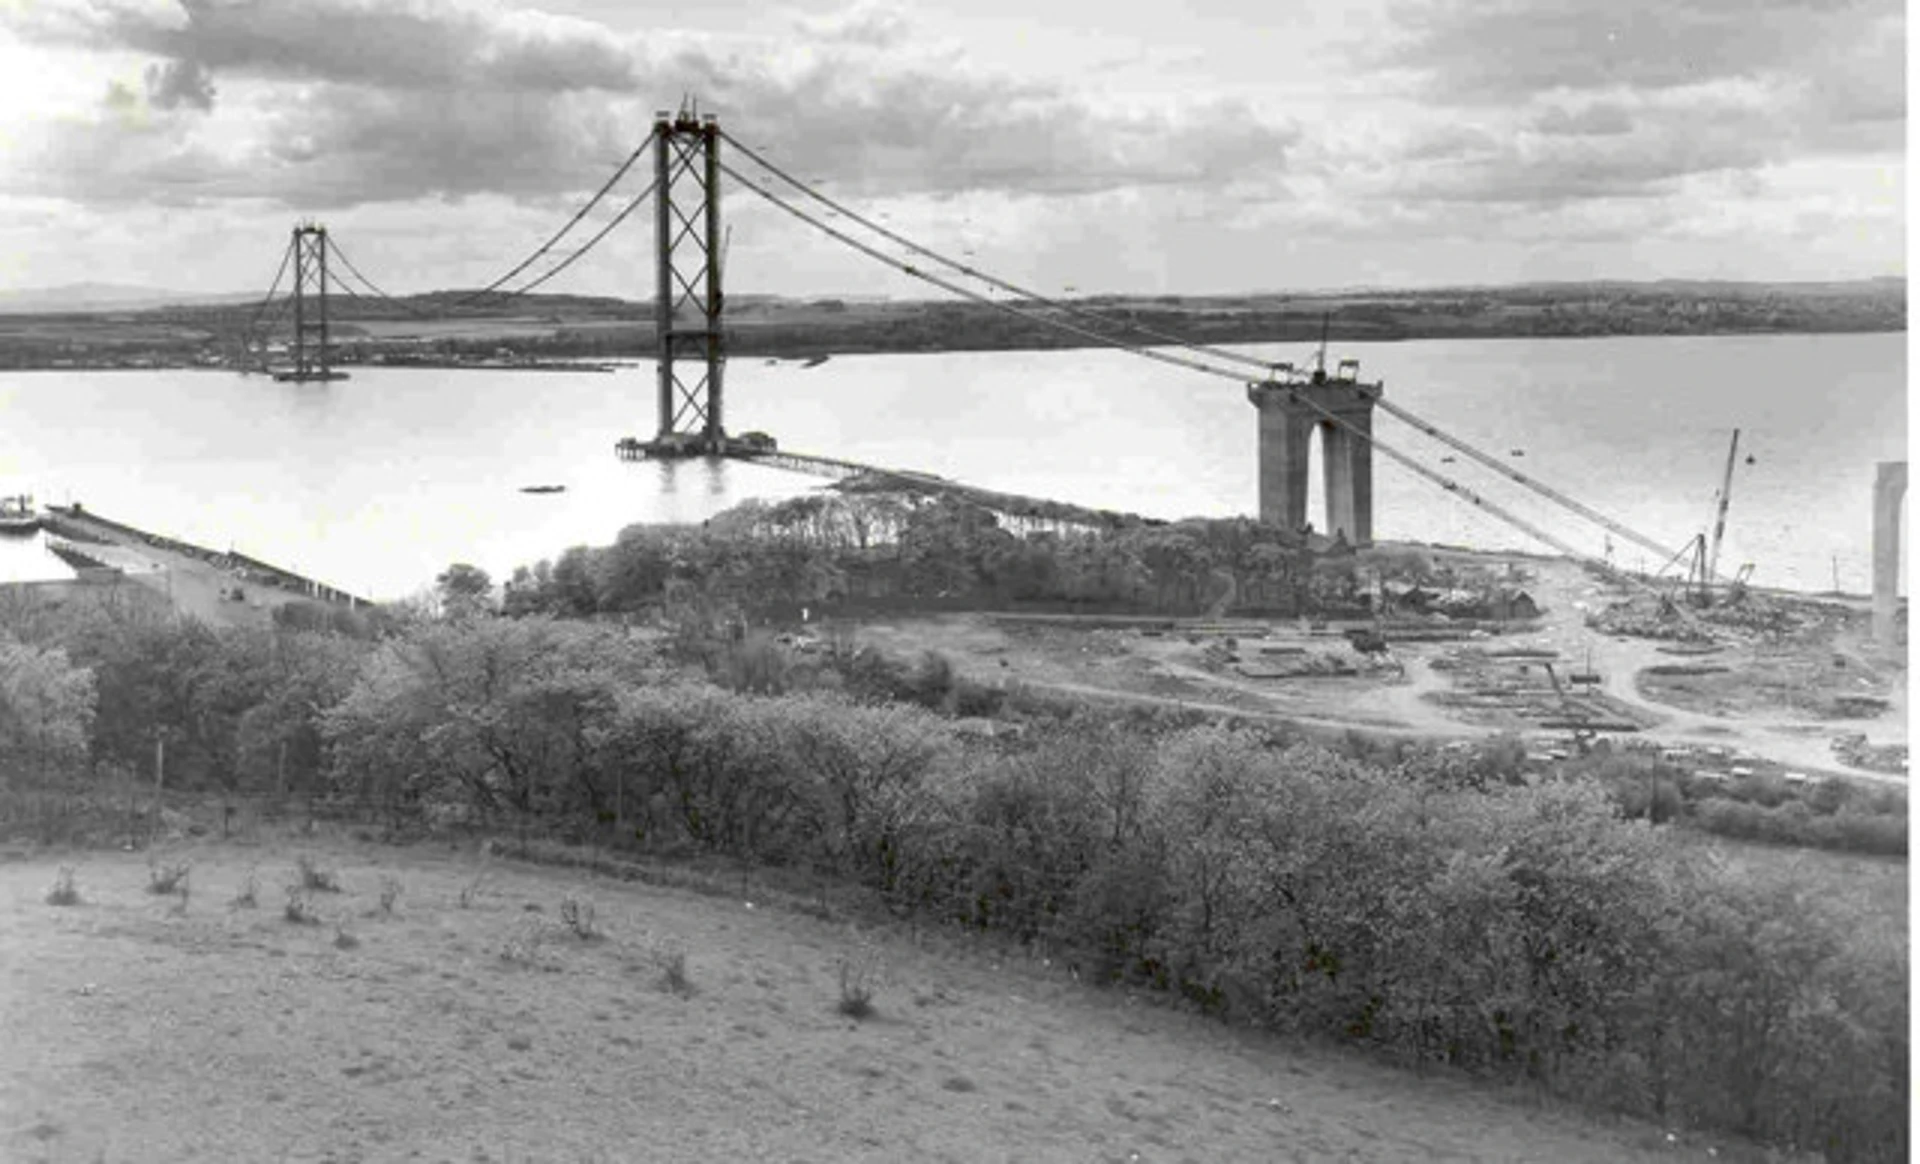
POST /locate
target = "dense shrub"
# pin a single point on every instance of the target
(1794, 823)
(1439, 904)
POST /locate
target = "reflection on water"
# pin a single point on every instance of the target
(26, 558)
(377, 483)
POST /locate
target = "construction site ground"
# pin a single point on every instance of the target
(1776, 704)
(1789, 677)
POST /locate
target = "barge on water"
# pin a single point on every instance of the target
(18, 515)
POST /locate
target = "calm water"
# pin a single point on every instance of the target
(376, 483)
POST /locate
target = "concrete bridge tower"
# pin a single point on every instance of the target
(1889, 491)
(1292, 410)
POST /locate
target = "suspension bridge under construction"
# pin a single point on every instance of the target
(1293, 405)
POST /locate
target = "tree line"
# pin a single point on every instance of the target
(831, 550)
(1443, 907)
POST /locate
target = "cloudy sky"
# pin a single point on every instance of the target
(1152, 147)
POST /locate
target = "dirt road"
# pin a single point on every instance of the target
(1139, 661)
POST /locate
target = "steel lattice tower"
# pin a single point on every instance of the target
(311, 356)
(687, 294)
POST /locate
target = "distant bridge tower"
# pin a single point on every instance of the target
(312, 344)
(1288, 421)
(687, 295)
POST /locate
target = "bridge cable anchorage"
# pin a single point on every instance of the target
(1438, 478)
(991, 280)
(1220, 353)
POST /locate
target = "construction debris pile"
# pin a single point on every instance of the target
(1498, 603)
(1256, 661)
(1642, 619)
(1853, 749)
(1519, 687)
(1755, 615)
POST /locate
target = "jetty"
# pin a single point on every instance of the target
(97, 536)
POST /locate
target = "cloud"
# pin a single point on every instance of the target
(1496, 50)
(120, 98)
(908, 126)
(171, 84)
(1600, 119)
(414, 44)
(351, 101)
(1550, 102)
(870, 23)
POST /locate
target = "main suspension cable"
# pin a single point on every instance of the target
(967, 269)
(1523, 479)
(1441, 479)
(1220, 353)
(286, 256)
(975, 296)
(603, 232)
(346, 262)
(561, 233)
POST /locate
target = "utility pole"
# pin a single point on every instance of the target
(688, 298)
(159, 779)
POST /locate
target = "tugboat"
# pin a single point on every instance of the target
(18, 515)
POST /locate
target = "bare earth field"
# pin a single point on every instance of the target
(130, 1031)
(1775, 701)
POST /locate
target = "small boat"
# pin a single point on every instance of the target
(543, 488)
(1446, 460)
(815, 362)
(18, 515)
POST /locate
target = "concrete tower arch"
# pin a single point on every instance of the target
(1292, 412)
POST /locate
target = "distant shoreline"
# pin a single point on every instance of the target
(744, 344)
(551, 328)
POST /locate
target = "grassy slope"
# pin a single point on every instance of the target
(134, 1032)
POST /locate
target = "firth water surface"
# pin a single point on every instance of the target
(376, 483)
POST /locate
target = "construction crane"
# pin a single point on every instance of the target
(1702, 553)
(1720, 511)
